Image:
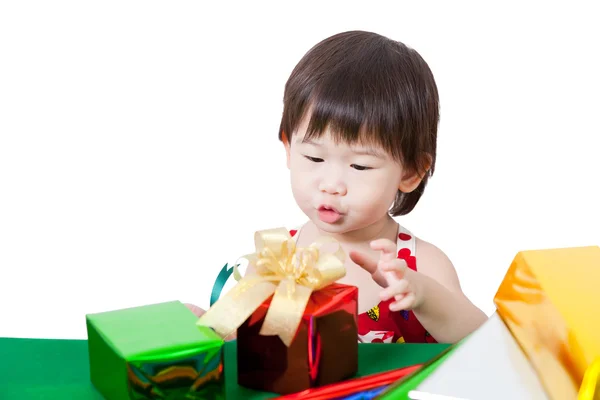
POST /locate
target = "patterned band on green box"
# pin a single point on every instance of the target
(154, 352)
(177, 376)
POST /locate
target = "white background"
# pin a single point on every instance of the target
(139, 151)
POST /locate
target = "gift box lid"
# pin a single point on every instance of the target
(146, 331)
(549, 300)
(571, 279)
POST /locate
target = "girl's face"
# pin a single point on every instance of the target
(342, 188)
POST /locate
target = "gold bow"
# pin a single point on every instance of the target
(291, 273)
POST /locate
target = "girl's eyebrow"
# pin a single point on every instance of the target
(369, 151)
(306, 140)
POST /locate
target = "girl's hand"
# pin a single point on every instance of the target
(195, 309)
(392, 274)
(200, 312)
(370, 266)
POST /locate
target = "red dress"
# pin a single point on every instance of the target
(379, 324)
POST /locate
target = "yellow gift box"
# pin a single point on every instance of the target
(550, 301)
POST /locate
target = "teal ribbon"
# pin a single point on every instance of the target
(222, 278)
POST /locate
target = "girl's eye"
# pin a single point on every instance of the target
(314, 159)
(360, 167)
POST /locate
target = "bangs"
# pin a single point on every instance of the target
(374, 94)
(352, 115)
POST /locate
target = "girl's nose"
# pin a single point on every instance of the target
(333, 186)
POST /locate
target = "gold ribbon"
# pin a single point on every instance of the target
(288, 273)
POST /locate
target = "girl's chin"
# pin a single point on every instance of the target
(344, 226)
(339, 228)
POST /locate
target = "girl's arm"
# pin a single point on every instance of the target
(447, 316)
(445, 312)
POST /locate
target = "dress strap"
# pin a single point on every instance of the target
(406, 240)
(294, 233)
(406, 245)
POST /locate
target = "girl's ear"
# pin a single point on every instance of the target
(286, 144)
(412, 179)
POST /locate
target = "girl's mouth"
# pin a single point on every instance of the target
(329, 214)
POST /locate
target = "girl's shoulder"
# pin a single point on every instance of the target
(434, 263)
(427, 258)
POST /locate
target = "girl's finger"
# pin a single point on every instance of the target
(380, 279)
(195, 309)
(388, 253)
(363, 261)
(397, 265)
(387, 248)
(399, 287)
(406, 303)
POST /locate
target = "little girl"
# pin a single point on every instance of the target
(359, 128)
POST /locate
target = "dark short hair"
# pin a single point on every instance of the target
(367, 88)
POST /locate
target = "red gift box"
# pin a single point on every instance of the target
(323, 351)
(296, 328)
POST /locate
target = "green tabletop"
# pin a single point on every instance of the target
(58, 369)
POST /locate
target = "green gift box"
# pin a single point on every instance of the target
(154, 352)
